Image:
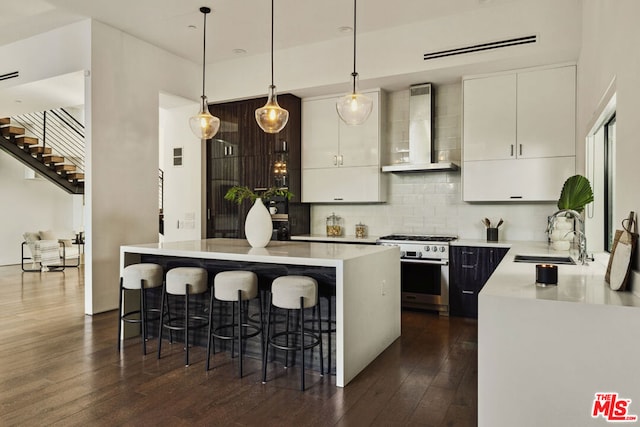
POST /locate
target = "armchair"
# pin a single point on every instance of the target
(47, 251)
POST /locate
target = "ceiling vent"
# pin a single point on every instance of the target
(7, 76)
(480, 47)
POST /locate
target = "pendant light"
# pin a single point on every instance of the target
(272, 118)
(204, 125)
(354, 108)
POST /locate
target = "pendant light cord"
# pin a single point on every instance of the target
(204, 47)
(354, 47)
(272, 42)
(205, 11)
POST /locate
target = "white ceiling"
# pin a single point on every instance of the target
(233, 24)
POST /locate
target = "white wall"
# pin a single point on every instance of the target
(127, 76)
(610, 32)
(29, 205)
(432, 202)
(182, 202)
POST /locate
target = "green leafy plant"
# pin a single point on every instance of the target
(239, 193)
(576, 193)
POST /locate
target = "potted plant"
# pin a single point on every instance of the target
(575, 195)
(257, 226)
(239, 193)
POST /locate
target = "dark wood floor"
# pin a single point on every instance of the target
(60, 367)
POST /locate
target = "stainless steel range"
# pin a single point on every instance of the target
(424, 262)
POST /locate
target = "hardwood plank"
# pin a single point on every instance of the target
(61, 367)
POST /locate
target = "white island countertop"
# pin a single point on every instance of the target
(286, 252)
(367, 286)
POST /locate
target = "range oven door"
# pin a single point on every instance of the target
(425, 284)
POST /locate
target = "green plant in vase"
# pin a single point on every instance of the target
(257, 226)
(239, 193)
(575, 195)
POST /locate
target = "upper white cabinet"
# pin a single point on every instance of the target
(513, 117)
(489, 126)
(547, 113)
(521, 115)
(341, 163)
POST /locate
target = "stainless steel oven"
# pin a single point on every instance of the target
(424, 264)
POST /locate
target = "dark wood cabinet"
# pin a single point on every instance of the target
(242, 154)
(470, 268)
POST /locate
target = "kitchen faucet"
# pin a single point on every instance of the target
(583, 257)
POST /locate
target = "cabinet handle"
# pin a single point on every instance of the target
(468, 266)
(468, 292)
(338, 198)
(511, 150)
(520, 150)
(341, 159)
(335, 160)
(515, 197)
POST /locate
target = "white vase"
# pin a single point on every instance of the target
(258, 226)
(562, 235)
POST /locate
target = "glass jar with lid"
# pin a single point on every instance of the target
(361, 231)
(334, 225)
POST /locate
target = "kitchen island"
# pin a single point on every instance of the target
(366, 280)
(545, 352)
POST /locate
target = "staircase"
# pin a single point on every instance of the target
(67, 173)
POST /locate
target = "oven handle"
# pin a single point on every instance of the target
(425, 261)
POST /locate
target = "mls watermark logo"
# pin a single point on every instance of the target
(611, 408)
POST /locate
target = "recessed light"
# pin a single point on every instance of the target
(239, 51)
(345, 30)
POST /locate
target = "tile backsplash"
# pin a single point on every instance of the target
(432, 202)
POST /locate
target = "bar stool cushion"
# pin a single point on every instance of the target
(287, 290)
(179, 277)
(133, 274)
(227, 284)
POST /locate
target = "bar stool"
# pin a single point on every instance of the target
(293, 293)
(235, 287)
(327, 293)
(183, 281)
(139, 277)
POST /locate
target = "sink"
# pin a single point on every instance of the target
(544, 259)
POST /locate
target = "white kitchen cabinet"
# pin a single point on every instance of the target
(341, 163)
(522, 180)
(518, 135)
(547, 113)
(338, 185)
(526, 114)
(489, 126)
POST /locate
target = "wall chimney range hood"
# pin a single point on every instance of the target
(420, 135)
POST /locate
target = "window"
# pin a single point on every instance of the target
(601, 219)
(609, 176)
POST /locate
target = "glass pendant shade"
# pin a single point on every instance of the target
(272, 118)
(354, 108)
(204, 125)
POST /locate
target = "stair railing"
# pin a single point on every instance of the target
(58, 130)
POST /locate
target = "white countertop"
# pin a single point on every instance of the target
(583, 284)
(369, 240)
(298, 253)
